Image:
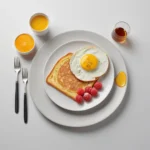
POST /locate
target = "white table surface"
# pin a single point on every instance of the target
(129, 127)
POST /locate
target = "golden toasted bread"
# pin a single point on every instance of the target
(63, 80)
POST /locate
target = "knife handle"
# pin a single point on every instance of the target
(17, 98)
(25, 109)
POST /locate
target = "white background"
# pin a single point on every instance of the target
(129, 127)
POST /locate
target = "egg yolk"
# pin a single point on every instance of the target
(89, 62)
(121, 79)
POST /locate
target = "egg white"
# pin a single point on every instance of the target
(82, 74)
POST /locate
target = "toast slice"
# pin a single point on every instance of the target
(63, 79)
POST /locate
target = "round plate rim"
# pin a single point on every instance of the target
(94, 122)
(66, 108)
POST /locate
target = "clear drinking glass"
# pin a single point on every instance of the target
(121, 31)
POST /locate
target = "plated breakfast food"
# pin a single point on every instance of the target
(89, 63)
(60, 108)
(76, 75)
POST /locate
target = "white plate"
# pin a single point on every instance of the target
(55, 113)
(64, 101)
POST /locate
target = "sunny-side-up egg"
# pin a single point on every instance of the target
(89, 63)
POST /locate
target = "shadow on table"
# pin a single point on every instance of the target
(30, 56)
(46, 37)
(128, 44)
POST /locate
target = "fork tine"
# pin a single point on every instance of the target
(24, 73)
(16, 62)
(27, 73)
(15, 58)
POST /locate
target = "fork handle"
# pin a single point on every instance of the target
(25, 109)
(17, 98)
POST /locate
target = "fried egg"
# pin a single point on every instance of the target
(89, 63)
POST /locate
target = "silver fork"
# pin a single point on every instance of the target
(17, 68)
(25, 81)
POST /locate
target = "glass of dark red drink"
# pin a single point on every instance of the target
(121, 31)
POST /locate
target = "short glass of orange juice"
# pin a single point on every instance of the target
(24, 43)
(39, 23)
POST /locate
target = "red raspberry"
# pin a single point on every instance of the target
(79, 99)
(88, 89)
(94, 92)
(98, 85)
(87, 97)
(80, 91)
